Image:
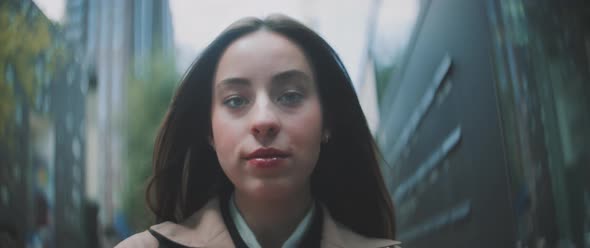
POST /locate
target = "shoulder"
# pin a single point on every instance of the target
(203, 228)
(353, 239)
(142, 239)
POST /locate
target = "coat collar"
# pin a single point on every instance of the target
(205, 228)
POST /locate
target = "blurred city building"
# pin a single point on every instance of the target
(116, 40)
(485, 124)
(42, 132)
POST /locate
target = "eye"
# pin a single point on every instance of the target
(235, 102)
(290, 98)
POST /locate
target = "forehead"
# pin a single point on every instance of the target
(260, 55)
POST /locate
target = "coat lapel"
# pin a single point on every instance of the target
(206, 228)
(337, 235)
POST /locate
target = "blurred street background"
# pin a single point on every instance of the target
(481, 109)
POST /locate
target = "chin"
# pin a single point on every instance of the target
(273, 190)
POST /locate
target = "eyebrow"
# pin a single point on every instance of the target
(233, 81)
(278, 78)
(291, 74)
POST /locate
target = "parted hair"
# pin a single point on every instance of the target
(346, 179)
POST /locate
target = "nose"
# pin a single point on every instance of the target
(265, 122)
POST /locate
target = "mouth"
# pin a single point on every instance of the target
(267, 153)
(267, 158)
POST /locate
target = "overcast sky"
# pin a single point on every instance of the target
(342, 23)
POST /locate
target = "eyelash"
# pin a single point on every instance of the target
(230, 102)
(290, 102)
(286, 99)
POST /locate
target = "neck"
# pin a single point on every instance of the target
(273, 220)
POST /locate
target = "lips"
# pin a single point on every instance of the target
(267, 153)
(267, 157)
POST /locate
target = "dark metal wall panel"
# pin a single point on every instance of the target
(449, 180)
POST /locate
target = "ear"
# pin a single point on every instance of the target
(211, 141)
(326, 136)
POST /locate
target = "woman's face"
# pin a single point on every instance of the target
(266, 116)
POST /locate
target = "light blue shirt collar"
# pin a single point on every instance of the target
(248, 236)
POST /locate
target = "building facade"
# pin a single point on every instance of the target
(116, 39)
(483, 123)
(42, 145)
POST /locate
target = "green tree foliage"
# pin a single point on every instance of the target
(148, 99)
(26, 39)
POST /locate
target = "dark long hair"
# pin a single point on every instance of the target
(347, 179)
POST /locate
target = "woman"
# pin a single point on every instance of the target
(265, 145)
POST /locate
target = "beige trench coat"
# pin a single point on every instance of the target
(206, 228)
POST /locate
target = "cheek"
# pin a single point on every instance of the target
(225, 136)
(305, 133)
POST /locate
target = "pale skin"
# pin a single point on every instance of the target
(265, 96)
